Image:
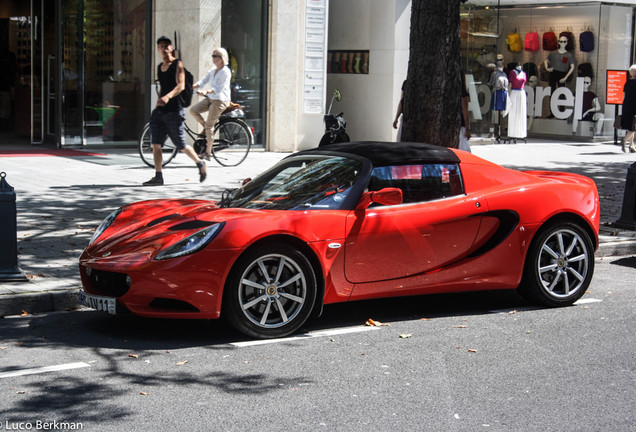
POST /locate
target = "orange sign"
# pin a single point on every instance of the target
(615, 82)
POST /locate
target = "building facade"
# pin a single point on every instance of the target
(82, 72)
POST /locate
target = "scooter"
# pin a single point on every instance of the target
(334, 125)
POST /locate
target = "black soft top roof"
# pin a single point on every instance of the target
(389, 153)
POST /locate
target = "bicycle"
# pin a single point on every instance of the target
(232, 140)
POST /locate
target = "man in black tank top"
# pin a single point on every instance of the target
(168, 116)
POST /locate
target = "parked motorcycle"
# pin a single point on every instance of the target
(334, 125)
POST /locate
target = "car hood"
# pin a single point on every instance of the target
(144, 228)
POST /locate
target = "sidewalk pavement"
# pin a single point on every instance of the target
(61, 199)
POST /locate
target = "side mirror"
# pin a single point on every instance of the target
(386, 196)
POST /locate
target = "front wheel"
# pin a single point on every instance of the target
(270, 292)
(232, 142)
(145, 149)
(559, 265)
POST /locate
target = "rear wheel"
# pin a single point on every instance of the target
(145, 149)
(270, 292)
(559, 265)
(232, 142)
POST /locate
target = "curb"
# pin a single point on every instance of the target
(41, 302)
(615, 242)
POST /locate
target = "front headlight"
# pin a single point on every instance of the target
(105, 224)
(191, 244)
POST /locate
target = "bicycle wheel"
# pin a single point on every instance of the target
(232, 142)
(145, 149)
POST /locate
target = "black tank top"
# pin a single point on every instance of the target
(168, 81)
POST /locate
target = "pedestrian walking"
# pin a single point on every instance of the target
(629, 110)
(166, 120)
(399, 116)
(216, 98)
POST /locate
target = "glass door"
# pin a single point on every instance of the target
(103, 78)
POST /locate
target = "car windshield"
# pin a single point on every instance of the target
(303, 183)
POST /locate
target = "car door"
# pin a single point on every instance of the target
(417, 236)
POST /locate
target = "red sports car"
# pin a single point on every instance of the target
(347, 222)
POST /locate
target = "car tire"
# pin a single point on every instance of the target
(275, 305)
(559, 265)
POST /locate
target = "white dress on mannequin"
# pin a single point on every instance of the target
(517, 117)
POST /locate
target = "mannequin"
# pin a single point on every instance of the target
(591, 108)
(518, 120)
(499, 103)
(532, 84)
(560, 64)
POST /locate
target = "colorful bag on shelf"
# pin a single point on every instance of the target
(586, 41)
(570, 38)
(514, 42)
(550, 41)
(531, 42)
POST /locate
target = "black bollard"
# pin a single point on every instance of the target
(9, 270)
(628, 213)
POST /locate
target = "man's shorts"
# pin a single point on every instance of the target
(167, 124)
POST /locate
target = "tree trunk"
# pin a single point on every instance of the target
(433, 85)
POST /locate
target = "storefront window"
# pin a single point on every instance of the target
(103, 71)
(244, 36)
(577, 42)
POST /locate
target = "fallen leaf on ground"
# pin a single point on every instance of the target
(133, 355)
(472, 350)
(144, 394)
(460, 326)
(24, 313)
(374, 323)
(406, 336)
(181, 363)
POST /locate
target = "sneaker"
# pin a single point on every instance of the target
(203, 172)
(155, 181)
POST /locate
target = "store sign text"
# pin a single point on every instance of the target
(562, 103)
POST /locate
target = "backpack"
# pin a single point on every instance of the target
(586, 41)
(514, 42)
(531, 42)
(185, 97)
(570, 38)
(585, 70)
(530, 69)
(544, 75)
(550, 41)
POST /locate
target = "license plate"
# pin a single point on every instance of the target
(104, 304)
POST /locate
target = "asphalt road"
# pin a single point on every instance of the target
(480, 361)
